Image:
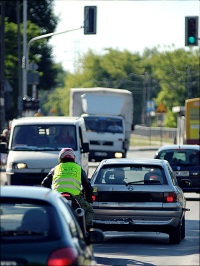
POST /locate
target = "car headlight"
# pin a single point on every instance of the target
(18, 165)
(118, 155)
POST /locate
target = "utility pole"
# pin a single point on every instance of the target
(24, 58)
(2, 69)
(19, 59)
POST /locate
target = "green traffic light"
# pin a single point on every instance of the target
(191, 39)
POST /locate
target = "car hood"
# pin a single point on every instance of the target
(39, 159)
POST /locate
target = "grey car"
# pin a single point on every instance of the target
(138, 195)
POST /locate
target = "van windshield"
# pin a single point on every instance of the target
(44, 137)
(103, 124)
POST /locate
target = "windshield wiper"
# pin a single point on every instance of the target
(34, 148)
(21, 148)
(21, 232)
(133, 182)
(146, 182)
(46, 149)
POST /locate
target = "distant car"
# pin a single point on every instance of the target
(138, 195)
(38, 228)
(185, 162)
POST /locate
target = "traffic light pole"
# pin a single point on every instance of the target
(28, 49)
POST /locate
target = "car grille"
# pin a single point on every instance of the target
(101, 143)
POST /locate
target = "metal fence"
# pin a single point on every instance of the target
(156, 132)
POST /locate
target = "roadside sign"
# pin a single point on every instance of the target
(150, 106)
(161, 108)
(33, 66)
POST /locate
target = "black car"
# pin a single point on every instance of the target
(185, 162)
(38, 227)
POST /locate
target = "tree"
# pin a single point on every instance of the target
(166, 77)
(41, 20)
(39, 12)
(178, 75)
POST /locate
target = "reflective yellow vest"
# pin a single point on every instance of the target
(67, 178)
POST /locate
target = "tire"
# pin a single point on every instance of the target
(183, 228)
(175, 234)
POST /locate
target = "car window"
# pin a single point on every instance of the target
(180, 156)
(25, 219)
(141, 175)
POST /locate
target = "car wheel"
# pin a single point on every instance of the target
(183, 228)
(175, 234)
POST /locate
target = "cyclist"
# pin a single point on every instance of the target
(69, 177)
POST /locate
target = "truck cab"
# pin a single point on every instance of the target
(106, 135)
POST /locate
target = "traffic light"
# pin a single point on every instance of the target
(30, 104)
(26, 103)
(191, 31)
(90, 17)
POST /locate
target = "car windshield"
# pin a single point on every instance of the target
(44, 137)
(127, 175)
(180, 156)
(103, 124)
(25, 219)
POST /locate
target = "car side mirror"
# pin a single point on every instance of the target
(85, 147)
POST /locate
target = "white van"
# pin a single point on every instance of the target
(34, 147)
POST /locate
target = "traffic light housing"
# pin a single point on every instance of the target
(30, 104)
(90, 18)
(191, 31)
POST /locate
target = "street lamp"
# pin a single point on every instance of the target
(26, 58)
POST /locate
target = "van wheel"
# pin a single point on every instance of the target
(175, 234)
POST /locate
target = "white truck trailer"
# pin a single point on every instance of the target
(108, 115)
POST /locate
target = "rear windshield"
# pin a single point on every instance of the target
(137, 174)
(27, 220)
(180, 156)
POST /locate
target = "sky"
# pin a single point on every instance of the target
(124, 25)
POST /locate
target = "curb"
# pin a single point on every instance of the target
(144, 148)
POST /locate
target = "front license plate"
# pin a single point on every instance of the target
(181, 173)
(100, 153)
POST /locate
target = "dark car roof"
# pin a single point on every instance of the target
(132, 161)
(184, 146)
(39, 193)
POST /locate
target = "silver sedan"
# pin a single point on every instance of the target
(138, 195)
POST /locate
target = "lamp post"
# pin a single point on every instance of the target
(2, 68)
(28, 50)
(24, 67)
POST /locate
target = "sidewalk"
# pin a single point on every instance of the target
(153, 147)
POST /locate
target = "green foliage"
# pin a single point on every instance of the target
(39, 12)
(168, 77)
(178, 77)
(41, 20)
